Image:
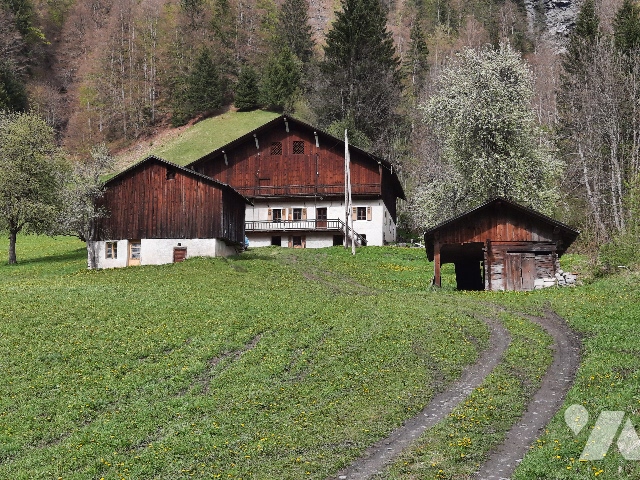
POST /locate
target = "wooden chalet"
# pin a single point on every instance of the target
(159, 212)
(500, 245)
(294, 175)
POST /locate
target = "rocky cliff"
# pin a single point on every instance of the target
(553, 19)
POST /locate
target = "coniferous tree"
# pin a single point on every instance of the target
(359, 76)
(626, 27)
(416, 63)
(247, 90)
(295, 30)
(12, 92)
(280, 81)
(583, 38)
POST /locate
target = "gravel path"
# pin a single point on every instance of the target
(544, 404)
(380, 454)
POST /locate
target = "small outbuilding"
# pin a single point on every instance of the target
(500, 245)
(158, 212)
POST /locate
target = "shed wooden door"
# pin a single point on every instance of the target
(520, 271)
(179, 254)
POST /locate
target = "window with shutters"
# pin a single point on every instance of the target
(276, 148)
(112, 249)
(361, 213)
(298, 147)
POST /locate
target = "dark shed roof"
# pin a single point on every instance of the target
(493, 207)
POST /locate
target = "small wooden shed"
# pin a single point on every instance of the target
(499, 245)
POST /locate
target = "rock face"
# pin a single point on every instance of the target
(553, 19)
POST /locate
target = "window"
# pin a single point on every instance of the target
(276, 148)
(362, 213)
(298, 147)
(338, 240)
(112, 250)
(171, 174)
(276, 240)
(297, 241)
(297, 214)
(277, 215)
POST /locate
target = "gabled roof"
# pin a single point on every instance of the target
(570, 231)
(178, 168)
(321, 135)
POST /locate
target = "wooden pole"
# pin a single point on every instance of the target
(346, 192)
(353, 233)
(436, 264)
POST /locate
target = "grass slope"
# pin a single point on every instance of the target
(283, 364)
(275, 364)
(210, 134)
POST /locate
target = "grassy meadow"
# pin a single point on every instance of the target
(282, 363)
(210, 134)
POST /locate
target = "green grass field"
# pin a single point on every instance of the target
(281, 364)
(210, 134)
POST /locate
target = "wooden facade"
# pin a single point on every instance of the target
(499, 245)
(156, 199)
(289, 159)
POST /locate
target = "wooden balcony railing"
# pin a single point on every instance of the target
(293, 190)
(313, 225)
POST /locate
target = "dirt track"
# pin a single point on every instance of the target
(383, 452)
(505, 458)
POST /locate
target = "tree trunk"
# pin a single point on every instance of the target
(12, 247)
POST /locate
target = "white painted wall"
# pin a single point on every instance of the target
(159, 251)
(379, 230)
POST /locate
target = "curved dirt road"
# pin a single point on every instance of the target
(380, 454)
(505, 458)
(544, 404)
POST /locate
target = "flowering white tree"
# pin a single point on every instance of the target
(491, 144)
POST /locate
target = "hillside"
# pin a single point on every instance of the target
(242, 368)
(112, 71)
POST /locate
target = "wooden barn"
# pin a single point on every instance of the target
(159, 212)
(294, 175)
(500, 245)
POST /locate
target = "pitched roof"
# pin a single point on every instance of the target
(175, 166)
(321, 134)
(516, 206)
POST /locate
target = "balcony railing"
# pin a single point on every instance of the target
(312, 225)
(294, 190)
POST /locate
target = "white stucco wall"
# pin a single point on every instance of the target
(159, 251)
(379, 230)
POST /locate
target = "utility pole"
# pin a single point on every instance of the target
(348, 201)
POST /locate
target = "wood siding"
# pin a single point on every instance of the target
(256, 172)
(148, 203)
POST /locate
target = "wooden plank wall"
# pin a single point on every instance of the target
(146, 204)
(256, 172)
(515, 265)
(498, 227)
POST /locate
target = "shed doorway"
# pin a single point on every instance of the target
(520, 272)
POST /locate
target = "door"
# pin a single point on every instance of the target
(321, 217)
(134, 252)
(520, 271)
(179, 254)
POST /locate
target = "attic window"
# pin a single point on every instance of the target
(276, 148)
(171, 174)
(298, 147)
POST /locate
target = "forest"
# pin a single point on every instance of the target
(466, 99)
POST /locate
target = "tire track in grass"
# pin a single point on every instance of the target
(545, 403)
(376, 457)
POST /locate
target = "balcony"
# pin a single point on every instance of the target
(313, 225)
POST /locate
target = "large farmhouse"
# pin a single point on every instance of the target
(159, 212)
(294, 175)
(500, 245)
